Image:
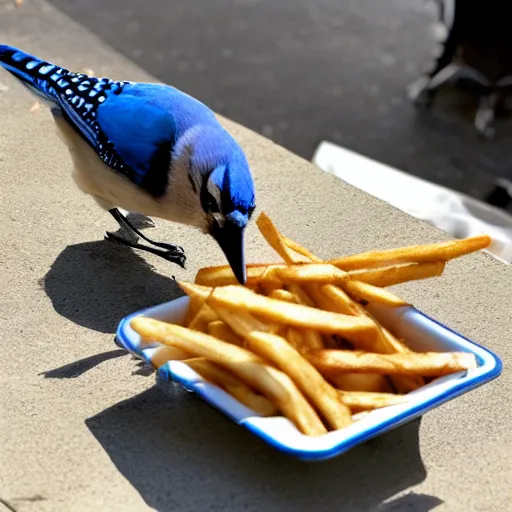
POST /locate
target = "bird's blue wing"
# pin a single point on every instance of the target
(141, 135)
(122, 122)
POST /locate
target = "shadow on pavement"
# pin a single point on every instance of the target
(77, 368)
(411, 501)
(182, 455)
(96, 284)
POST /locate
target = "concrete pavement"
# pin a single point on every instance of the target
(82, 427)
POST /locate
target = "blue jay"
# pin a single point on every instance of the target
(149, 149)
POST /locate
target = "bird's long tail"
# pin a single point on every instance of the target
(43, 78)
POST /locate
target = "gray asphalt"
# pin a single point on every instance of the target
(302, 71)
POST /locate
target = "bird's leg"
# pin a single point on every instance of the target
(123, 221)
(138, 220)
(169, 252)
(125, 233)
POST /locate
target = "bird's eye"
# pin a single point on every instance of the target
(212, 205)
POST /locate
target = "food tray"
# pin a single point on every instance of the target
(421, 334)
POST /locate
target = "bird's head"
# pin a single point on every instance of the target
(221, 178)
(227, 198)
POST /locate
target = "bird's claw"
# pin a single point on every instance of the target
(175, 256)
(169, 252)
(172, 248)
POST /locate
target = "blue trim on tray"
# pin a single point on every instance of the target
(457, 388)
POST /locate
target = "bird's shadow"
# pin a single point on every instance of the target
(96, 284)
(182, 455)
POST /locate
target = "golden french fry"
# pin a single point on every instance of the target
(283, 295)
(268, 281)
(223, 332)
(278, 351)
(164, 354)
(301, 296)
(370, 293)
(442, 251)
(195, 304)
(223, 275)
(406, 383)
(295, 338)
(392, 345)
(203, 318)
(332, 298)
(276, 240)
(319, 273)
(322, 273)
(391, 276)
(402, 383)
(249, 367)
(369, 382)
(232, 385)
(386, 343)
(302, 340)
(429, 364)
(367, 401)
(294, 246)
(358, 328)
(209, 315)
(312, 339)
(307, 378)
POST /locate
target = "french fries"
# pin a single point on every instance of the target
(321, 273)
(283, 295)
(222, 276)
(443, 251)
(222, 331)
(248, 367)
(288, 313)
(369, 382)
(390, 276)
(279, 352)
(235, 387)
(364, 401)
(383, 341)
(298, 340)
(164, 354)
(295, 338)
(204, 317)
(431, 364)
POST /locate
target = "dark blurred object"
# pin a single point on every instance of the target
(501, 195)
(476, 51)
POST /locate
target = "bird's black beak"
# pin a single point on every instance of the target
(230, 237)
